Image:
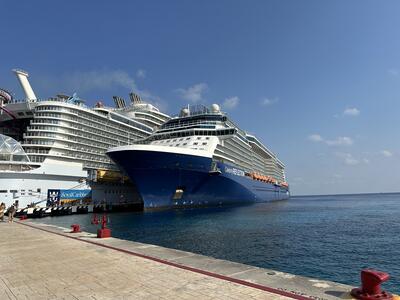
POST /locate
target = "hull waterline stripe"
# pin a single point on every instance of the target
(179, 266)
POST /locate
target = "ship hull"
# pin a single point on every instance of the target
(165, 180)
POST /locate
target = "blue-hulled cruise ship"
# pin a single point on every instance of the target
(201, 158)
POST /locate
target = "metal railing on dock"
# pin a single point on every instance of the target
(41, 212)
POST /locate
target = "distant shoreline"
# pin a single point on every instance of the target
(355, 194)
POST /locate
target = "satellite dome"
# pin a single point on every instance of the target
(215, 108)
(185, 112)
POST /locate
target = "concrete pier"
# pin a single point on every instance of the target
(46, 262)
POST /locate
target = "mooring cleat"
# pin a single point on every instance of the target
(371, 281)
(75, 228)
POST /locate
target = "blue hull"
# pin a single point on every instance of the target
(158, 175)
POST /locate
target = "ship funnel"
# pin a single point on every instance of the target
(26, 86)
(119, 102)
(135, 98)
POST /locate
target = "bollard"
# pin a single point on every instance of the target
(371, 281)
(95, 221)
(104, 232)
(75, 228)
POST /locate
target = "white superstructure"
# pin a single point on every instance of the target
(211, 131)
(68, 130)
(65, 143)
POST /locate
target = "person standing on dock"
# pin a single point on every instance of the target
(11, 212)
(2, 210)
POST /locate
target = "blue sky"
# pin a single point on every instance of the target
(316, 81)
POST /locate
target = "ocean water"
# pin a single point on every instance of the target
(327, 237)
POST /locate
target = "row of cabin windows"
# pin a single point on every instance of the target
(182, 139)
(188, 138)
(194, 144)
(89, 116)
(28, 113)
(188, 127)
(22, 191)
(190, 120)
(102, 142)
(190, 133)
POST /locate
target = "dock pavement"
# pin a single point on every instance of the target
(39, 261)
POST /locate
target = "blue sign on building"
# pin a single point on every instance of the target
(54, 197)
(75, 194)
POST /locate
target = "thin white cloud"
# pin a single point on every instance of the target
(141, 73)
(193, 93)
(231, 103)
(315, 138)
(351, 161)
(95, 80)
(98, 81)
(110, 79)
(351, 111)
(348, 159)
(394, 72)
(340, 141)
(269, 101)
(386, 153)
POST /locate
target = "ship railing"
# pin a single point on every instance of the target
(147, 108)
(66, 101)
(197, 113)
(186, 124)
(40, 100)
(8, 166)
(17, 101)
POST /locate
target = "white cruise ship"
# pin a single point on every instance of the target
(202, 158)
(53, 150)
